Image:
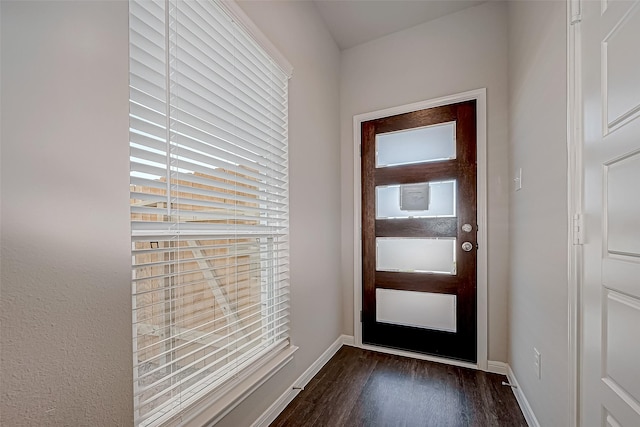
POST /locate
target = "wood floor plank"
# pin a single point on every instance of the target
(365, 388)
(344, 393)
(384, 399)
(439, 400)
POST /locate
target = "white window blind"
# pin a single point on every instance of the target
(209, 204)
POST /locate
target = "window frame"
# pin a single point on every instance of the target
(209, 407)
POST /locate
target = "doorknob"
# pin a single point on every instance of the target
(467, 246)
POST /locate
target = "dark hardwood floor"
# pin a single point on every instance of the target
(365, 388)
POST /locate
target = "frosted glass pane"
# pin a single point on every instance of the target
(418, 145)
(416, 255)
(442, 202)
(420, 309)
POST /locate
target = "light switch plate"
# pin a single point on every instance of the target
(518, 179)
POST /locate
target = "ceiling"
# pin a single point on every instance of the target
(352, 22)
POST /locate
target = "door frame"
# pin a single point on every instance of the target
(575, 168)
(480, 96)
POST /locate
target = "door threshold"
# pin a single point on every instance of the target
(419, 356)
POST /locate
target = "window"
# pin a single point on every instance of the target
(209, 204)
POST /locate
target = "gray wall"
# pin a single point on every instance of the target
(66, 305)
(538, 213)
(459, 52)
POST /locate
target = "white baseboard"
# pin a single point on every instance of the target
(348, 340)
(497, 367)
(285, 398)
(529, 416)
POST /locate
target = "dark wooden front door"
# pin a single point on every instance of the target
(419, 231)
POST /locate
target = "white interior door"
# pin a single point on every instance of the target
(610, 383)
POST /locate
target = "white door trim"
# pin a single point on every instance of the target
(480, 95)
(574, 199)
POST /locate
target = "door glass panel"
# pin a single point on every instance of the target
(441, 198)
(419, 309)
(418, 145)
(437, 255)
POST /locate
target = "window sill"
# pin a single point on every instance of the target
(212, 409)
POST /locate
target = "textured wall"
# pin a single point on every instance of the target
(459, 52)
(538, 213)
(66, 304)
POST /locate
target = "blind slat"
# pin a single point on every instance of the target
(169, 276)
(191, 138)
(225, 32)
(207, 96)
(195, 391)
(231, 209)
(246, 300)
(277, 317)
(196, 47)
(197, 270)
(255, 188)
(216, 192)
(239, 245)
(246, 312)
(228, 139)
(280, 321)
(201, 324)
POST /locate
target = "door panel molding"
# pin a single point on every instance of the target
(386, 175)
(631, 111)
